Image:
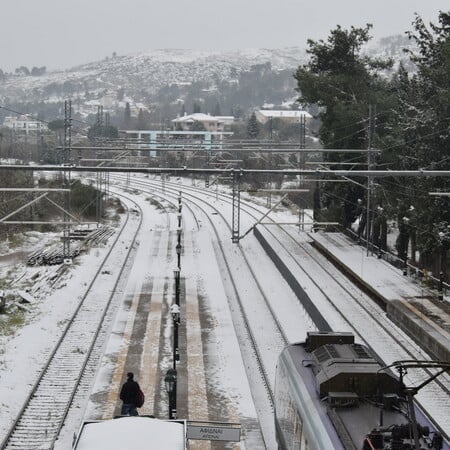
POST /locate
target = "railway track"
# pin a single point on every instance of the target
(254, 338)
(40, 419)
(383, 336)
(342, 296)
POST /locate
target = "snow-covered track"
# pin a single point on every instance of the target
(251, 335)
(358, 313)
(39, 422)
(383, 336)
(193, 196)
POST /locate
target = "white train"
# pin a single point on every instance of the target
(137, 432)
(331, 393)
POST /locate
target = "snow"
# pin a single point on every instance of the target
(132, 432)
(22, 354)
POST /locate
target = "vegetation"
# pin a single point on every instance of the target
(411, 127)
(11, 322)
(339, 84)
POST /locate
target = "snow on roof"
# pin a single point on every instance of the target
(196, 117)
(283, 113)
(132, 432)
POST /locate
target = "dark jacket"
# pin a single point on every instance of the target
(129, 392)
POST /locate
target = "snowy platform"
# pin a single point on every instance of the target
(406, 303)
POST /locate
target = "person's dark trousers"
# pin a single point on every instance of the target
(129, 409)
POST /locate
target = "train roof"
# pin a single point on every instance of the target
(132, 432)
(339, 388)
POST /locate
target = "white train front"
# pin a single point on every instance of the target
(331, 393)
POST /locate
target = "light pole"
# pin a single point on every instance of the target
(179, 229)
(171, 387)
(405, 255)
(178, 250)
(176, 274)
(175, 313)
(441, 273)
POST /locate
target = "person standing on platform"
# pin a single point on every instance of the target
(129, 394)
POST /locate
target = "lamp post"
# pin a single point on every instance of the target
(178, 250)
(175, 313)
(441, 273)
(176, 274)
(171, 387)
(405, 256)
(179, 231)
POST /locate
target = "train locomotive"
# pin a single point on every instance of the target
(331, 393)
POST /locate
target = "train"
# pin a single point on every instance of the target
(129, 432)
(334, 394)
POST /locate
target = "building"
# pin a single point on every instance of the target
(24, 124)
(210, 123)
(154, 140)
(289, 116)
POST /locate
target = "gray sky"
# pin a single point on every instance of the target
(63, 33)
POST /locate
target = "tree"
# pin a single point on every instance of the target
(343, 83)
(127, 116)
(198, 126)
(58, 127)
(196, 108)
(253, 128)
(102, 131)
(424, 121)
(38, 71)
(217, 111)
(143, 119)
(22, 70)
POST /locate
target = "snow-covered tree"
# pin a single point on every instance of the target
(253, 127)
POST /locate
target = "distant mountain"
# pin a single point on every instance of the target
(170, 81)
(146, 72)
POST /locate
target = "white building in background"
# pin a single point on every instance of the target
(289, 116)
(24, 124)
(211, 123)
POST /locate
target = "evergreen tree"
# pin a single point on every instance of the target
(127, 116)
(217, 111)
(142, 120)
(343, 83)
(196, 108)
(101, 131)
(424, 136)
(253, 128)
(198, 126)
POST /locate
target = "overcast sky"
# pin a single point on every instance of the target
(62, 33)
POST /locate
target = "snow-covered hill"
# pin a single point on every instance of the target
(147, 72)
(138, 78)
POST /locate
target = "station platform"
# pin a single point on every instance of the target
(411, 305)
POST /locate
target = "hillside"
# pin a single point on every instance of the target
(164, 80)
(144, 74)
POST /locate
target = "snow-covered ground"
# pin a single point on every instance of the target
(22, 352)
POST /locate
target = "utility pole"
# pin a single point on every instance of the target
(66, 174)
(98, 203)
(301, 165)
(371, 131)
